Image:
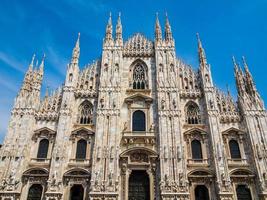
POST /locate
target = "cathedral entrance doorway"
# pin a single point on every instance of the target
(76, 192)
(139, 185)
(243, 192)
(201, 193)
(35, 192)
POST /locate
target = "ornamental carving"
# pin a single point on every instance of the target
(138, 45)
(139, 157)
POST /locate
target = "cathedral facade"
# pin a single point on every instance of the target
(138, 124)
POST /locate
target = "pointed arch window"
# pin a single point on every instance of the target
(86, 113)
(193, 114)
(234, 149)
(35, 192)
(196, 150)
(43, 148)
(81, 149)
(139, 77)
(139, 121)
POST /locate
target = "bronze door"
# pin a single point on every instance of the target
(139, 186)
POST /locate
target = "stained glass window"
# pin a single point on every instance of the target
(139, 77)
(86, 113)
(192, 114)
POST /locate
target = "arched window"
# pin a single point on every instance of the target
(139, 121)
(192, 114)
(43, 148)
(139, 77)
(35, 192)
(81, 149)
(201, 193)
(196, 150)
(234, 149)
(86, 113)
(243, 193)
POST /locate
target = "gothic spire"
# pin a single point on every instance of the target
(168, 31)
(158, 33)
(201, 53)
(235, 65)
(238, 78)
(246, 66)
(108, 36)
(249, 79)
(76, 51)
(119, 29)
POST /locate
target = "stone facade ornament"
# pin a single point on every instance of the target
(86, 136)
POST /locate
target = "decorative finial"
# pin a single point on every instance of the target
(235, 64)
(47, 91)
(108, 36)
(227, 88)
(199, 41)
(110, 19)
(201, 52)
(76, 51)
(245, 63)
(119, 30)
(198, 38)
(158, 33)
(78, 40)
(168, 32)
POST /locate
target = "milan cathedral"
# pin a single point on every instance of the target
(137, 124)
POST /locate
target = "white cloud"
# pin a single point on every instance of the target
(58, 62)
(8, 84)
(12, 62)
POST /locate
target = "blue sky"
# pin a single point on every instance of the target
(34, 26)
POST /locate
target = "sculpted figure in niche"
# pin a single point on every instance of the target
(207, 78)
(152, 127)
(110, 175)
(124, 126)
(174, 103)
(162, 104)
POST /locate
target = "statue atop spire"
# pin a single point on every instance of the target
(249, 79)
(108, 36)
(168, 31)
(201, 53)
(119, 30)
(76, 52)
(246, 87)
(41, 66)
(158, 33)
(32, 63)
